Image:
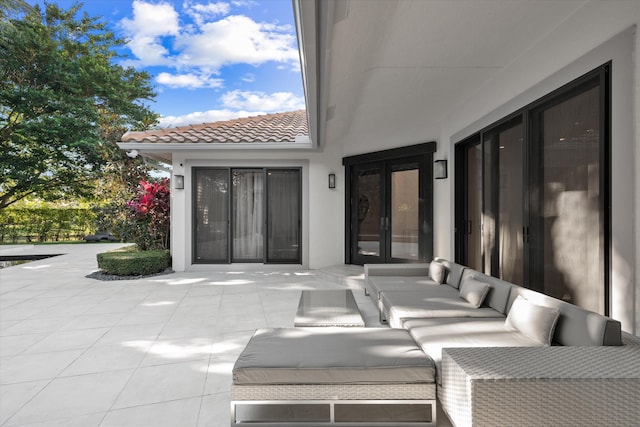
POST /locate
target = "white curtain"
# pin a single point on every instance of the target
(248, 214)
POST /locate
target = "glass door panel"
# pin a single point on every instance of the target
(283, 215)
(405, 203)
(510, 219)
(248, 215)
(369, 213)
(473, 226)
(211, 216)
(572, 216)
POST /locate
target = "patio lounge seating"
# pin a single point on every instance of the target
(333, 376)
(440, 312)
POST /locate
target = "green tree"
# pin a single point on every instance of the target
(64, 102)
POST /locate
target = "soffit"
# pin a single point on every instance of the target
(395, 69)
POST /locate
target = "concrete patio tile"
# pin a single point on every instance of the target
(164, 383)
(185, 327)
(25, 309)
(141, 315)
(111, 357)
(14, 396)
(72, 397)
(37, 325)
(219, 375)
(91, 321)
(178, 350)
(215, 410)
(183, 413)
(89, 420)
(16, 344)
(131, 333)
(33, 367)
(68, 340)
(242, 321)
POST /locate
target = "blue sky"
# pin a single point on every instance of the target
(209, 60)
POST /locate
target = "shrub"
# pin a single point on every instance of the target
(132, 262)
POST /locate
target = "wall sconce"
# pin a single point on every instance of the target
(332, 180)
(440, 169)
(178, 182)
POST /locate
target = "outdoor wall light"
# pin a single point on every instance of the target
(332, 180)
(440, 169)
(178, 182)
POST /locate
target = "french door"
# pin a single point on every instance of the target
(247, 215)
(390, 212)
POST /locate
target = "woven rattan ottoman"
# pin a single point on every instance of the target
(541, 386)
(333, 377)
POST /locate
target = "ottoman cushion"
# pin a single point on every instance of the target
(332, 356)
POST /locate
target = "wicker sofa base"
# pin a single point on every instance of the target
(559, 386)
(334, 405)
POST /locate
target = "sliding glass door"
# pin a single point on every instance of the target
(239, 212)
(544, 191)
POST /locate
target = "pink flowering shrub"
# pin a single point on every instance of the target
(149, 215)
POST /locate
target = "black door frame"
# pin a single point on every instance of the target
(419, 153)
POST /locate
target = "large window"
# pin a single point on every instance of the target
(247, 215)
(538, 183)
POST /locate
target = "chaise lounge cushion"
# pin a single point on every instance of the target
(435, 334)
(438, 301)
(535, 321)
(332, 356)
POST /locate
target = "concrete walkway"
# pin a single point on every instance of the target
(151, 352)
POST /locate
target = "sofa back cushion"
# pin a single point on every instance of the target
(535, 321)
(474, 291)
(454, 274)
(498, 295)
(576, 326)
(437, 272)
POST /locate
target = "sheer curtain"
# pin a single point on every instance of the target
(248, 214)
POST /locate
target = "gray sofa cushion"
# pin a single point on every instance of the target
(332, 356)
(436, 301)
(454, 272)
(474, 292)
(377, 284)
(576, 326)
(437, 272)
(533, 320)
(435, 334)
(499, 290)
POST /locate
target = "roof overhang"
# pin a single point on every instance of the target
(163, 152)
(305, 13)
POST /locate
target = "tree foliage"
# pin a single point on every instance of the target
(64, 102)
(145, 219)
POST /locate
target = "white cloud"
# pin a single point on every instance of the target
(188, 81)
(150, 23)
(249, 78)
(158, 37)
(201, 12)
(277, 101)
(205, 117)
(236, 39)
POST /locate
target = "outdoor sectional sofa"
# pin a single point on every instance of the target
(494, 354)
(503, 351)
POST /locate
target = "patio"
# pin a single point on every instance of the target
(150, 352)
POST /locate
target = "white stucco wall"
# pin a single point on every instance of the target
(559, 58)
(322, 211)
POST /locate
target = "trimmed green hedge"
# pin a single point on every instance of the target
(132, 262)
